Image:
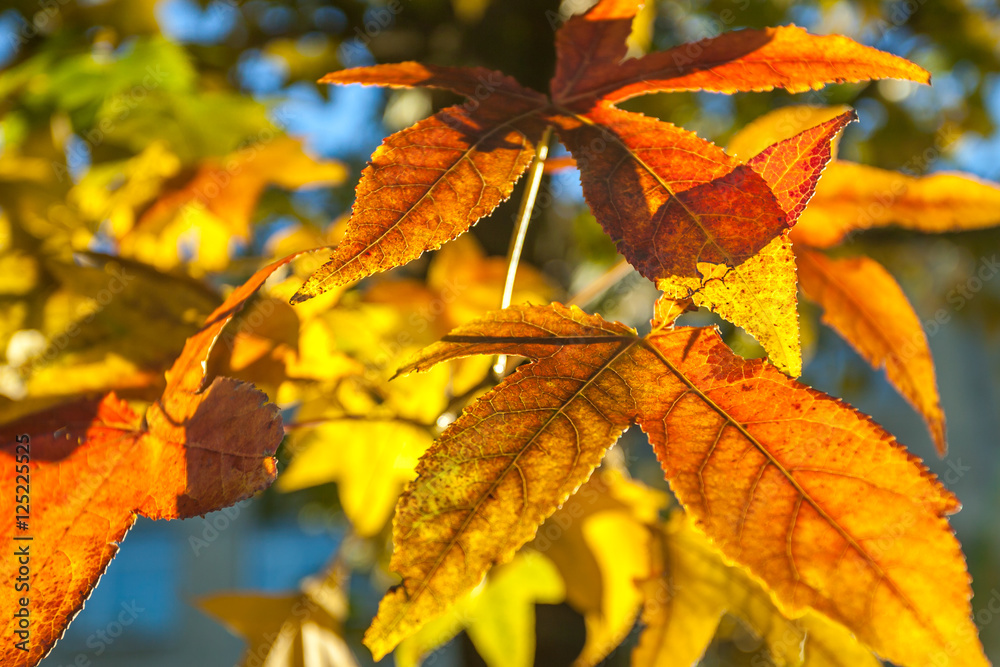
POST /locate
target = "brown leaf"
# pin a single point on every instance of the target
(865, 305)
(668, 198)
(591, 47)
(432, 181)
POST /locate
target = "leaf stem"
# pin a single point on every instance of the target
(521, 230)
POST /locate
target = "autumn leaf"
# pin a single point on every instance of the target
(92, 462)
(865, 305)
(498, 615)
(693, 587)
(760, 294)
(430, 182)
(227, 189)
(667, 198)
(863, 302)
(781, 124)
(855, 197)
(298, 629)
(738, 61)
(812, 497)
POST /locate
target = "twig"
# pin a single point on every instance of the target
(603, 283)
(523, 218)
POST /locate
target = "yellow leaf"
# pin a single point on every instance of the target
(491, 478)
(370, 461)
(115, 191)
(499, 615)
(301, 629)
(600, 544)
(694, 587)
(758, 295)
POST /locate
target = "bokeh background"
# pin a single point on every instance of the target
(117, 97)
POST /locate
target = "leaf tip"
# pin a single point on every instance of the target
(300, 296)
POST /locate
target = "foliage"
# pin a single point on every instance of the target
(796, 515)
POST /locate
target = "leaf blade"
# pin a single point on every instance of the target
(854, 197)
(668, 198)
(757, 60)
(487, 484)
(866, 306)
(470, 160)
(876, 553)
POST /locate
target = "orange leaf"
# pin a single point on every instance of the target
(865, 305)
(815, 499)
(812, 497)
(854, 197)
(781, 124)
(792, 167)
(95, 465)
(668, 198)
(432, 181)
(591, 47)
(755, 60)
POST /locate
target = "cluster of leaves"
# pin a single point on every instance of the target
(801, 517)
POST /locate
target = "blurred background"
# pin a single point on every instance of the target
(116, 116)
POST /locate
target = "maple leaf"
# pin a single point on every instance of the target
(297, 629)
(862, 301)
(92, 462)
(667, 198)
(759, 294)
(812, 497)
(693, 587)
